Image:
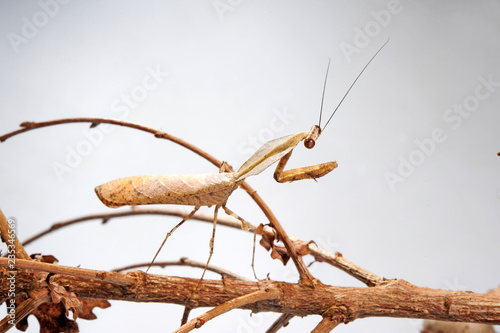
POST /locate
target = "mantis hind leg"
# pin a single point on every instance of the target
(170, 233)
(245, 226)
(310, 172)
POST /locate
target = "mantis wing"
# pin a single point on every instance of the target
(269, 153)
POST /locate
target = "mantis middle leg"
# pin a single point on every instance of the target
(170, 233)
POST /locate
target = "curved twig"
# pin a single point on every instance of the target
(9, 236)
(338, 260)
(282, 321)
(326, 325)
(185, 262)
(305, 276)
(105, 217)
(260, 295)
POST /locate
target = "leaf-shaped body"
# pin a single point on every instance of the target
(194, 190)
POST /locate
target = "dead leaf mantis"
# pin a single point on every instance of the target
(214, 189)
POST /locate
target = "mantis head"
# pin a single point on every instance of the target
(311, 138)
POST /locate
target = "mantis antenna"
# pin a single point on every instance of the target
(323, 95)
(324, 86)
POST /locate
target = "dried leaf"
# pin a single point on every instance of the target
(89, 304)
(44, 258)
(52, 316)
(67, 298)
(280, 252)
(268, 236)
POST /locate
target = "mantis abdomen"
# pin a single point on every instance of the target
(194, 190)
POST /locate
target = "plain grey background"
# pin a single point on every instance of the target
(228, 76)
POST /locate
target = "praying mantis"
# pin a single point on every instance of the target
(214, 189)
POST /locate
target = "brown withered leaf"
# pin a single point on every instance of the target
(44, 258)
(52, 316)
(268, 240)
(68, 299)
(89, 304)
(280, 252)
(268, 236)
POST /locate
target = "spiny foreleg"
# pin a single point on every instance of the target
(310, 172)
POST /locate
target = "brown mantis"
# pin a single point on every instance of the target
(212, 189)
(215, 189)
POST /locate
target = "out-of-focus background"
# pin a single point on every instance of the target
(416, 195)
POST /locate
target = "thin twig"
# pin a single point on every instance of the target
(185, 262)
(36, 298)
(327, 324)
(260, 295)
(9, 237)
(185, 315)
(105, 217)
(305, 276)
(282, 321)
(93, 274)
(338, 260)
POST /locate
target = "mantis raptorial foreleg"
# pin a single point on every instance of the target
(309, 172)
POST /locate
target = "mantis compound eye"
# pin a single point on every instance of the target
(311, 138)
(309, 143)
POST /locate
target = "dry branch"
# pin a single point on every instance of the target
(394, 298)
